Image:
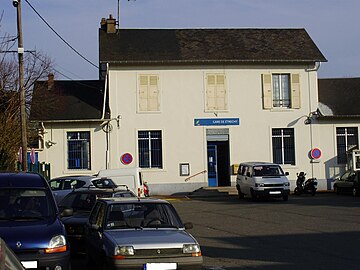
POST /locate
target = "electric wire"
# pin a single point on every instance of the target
(52, 29)
(62, 74)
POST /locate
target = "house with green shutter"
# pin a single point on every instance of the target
(188, 105)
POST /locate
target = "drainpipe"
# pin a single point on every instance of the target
(105, 90)
(308, 70)
(107, 128)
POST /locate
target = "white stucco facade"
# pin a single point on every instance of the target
(182, 99)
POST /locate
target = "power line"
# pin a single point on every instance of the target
(83, 57)
(67, 77)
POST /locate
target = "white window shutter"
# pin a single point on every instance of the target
(267, 91)
(143, 93)
(211, 92)
(153, 97)
(295, 91)
(221, 93)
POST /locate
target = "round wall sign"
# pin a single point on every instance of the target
(126, 158)
(316, 153)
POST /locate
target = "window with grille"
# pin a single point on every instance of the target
(150, 149)
(78, 144)
(281, 90)
(283, 144)
(346, 139)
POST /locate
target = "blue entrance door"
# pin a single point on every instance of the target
(212, 166)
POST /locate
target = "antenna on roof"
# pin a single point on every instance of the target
(118, 15)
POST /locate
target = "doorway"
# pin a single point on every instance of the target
(218, 155)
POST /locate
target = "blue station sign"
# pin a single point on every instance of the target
(217, 122)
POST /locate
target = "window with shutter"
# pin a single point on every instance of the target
(281, 90)
(148, 97)
(216, 94)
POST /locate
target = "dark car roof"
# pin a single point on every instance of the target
(132, 200)
(22, 180)
(100, 190)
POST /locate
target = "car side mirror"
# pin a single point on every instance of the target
(287, 173)
(67, 212)
(188, 225)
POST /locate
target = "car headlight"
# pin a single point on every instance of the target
(57, 244)
(122, 251)
(193, 249)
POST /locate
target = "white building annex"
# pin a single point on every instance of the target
(188, 105)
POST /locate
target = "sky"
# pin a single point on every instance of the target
(332, 24)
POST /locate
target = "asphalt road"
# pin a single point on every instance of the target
(321, 232)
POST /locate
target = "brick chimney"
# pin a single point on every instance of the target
(109, 25)
(50, 81)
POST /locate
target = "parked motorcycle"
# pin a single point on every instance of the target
(304, 186)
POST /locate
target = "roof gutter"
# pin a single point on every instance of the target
(67, 121)
(315, 68)
(136, 62)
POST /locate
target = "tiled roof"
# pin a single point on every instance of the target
(67, 100)
(339, 97)
(232, 46)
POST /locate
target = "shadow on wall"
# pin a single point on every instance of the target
(332, 171)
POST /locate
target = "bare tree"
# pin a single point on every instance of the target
(37, 67)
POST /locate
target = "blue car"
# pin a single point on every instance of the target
(30, 222)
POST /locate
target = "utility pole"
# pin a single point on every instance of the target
(17, 5)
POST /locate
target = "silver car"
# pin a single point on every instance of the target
(61, 186)
(128, 233)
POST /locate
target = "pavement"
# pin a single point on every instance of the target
(213, 192)
(202, 192)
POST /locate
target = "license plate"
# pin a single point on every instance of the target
(275, 192)
(160, 266)
(29, 264)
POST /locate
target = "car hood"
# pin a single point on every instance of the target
(151, 238)
(30, 234)
(77, 218)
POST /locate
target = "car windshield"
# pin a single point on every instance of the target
(25, 204)
(78, 201)
(268, 170)
(142, 215)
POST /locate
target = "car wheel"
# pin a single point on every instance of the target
(90, 263)
(241, 195)
(336, 190)
(254, 197)
(355, 192)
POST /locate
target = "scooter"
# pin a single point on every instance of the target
(304, 186)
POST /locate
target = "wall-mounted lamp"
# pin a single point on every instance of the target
(50, 143)
(312, 116)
